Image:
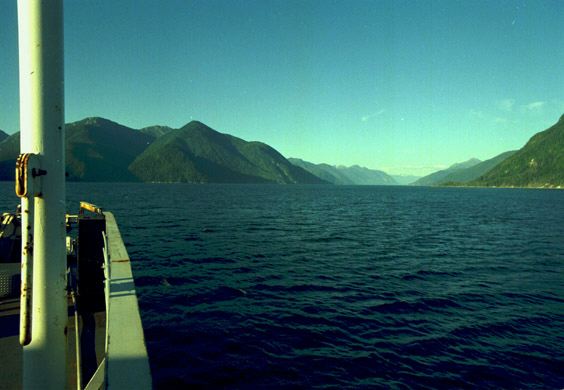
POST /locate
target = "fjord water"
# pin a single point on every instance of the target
(346, 287)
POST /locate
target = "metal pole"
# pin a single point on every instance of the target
(42, 132)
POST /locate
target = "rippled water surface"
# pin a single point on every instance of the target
(344, 287)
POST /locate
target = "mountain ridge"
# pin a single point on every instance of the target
(465, 175)
(100, 149)
(156, 131)
(539, 163)
(438, 176)
(324, 171)
(204, 155)
(341, 175)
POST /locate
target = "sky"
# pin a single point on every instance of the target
(408, 87)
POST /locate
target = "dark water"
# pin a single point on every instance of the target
(344, 287)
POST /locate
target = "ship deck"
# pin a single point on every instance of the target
(124, 364)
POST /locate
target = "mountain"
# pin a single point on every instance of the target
(3, 135)
(364, 176)
(196, 153)
(341, 175)
(326, 172)
(9, 151)
(156, 131)
(474, 172)
(540, 163)
(101, 150)
(97, 149)
(404, 180)
(439, 176)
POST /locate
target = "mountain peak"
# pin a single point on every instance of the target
(94, 121)
(195, 124)
(439, 176)
(197, 153)
(96, 149)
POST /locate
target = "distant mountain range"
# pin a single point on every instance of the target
(326, 172)
(364, 176)
(341, 175)
(439, 176)
(466, 175)
(98, 149)
(462, 173)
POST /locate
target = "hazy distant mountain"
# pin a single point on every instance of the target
(364, 176)
(341, 175)
(3, 135)
(326, 172)
(439, 176)
(540, 163)
(460, 176)
(156, 131)
(465, 164)
(97, 149)
(198, 154)
(405, 179)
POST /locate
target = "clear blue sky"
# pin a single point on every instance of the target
(403, 86)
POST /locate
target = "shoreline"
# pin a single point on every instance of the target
(555, 187)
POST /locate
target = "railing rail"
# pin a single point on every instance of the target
(124, 363)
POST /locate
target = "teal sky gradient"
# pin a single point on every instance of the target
(404, 86)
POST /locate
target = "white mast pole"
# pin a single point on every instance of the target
(42, 133)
